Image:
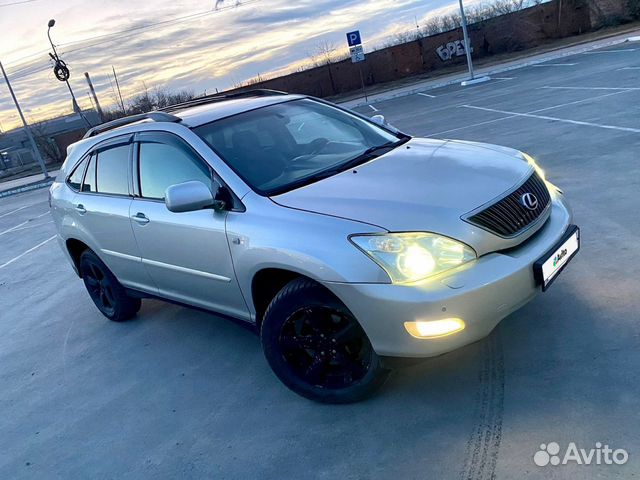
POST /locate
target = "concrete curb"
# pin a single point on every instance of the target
(488, 71)
(27, 188)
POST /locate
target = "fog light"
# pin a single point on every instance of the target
(434, 328)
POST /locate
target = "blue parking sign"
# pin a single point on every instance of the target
(353, 38)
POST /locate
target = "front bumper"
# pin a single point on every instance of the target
(481, 293)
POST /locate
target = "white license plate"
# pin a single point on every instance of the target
(551, 264)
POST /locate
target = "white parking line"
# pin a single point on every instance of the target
(556, 119)
(373, 108)
(479, 124)
(23, 223)
(597, 97)
(554, 65)
(27, 252)
(14, 211)
(32, 226)
(13, 228)
(610, 51)
(426, 95)
(590, 88)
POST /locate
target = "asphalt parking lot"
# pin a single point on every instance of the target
(179, 393)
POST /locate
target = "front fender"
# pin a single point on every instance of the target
(268, 235)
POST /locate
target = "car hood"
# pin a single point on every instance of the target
(424, 185)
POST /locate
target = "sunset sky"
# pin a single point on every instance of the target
(195, 47)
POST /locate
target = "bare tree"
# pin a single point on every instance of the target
(47, 146)
(158, 98)
(451, 21)
(148, 100)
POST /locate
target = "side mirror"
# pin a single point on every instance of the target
(189, 197)
(380, 120)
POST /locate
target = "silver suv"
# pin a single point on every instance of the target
(343, 240)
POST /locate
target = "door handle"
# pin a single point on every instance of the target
(80, 208)
(141, 218)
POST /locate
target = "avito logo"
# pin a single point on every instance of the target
(559, 257)
(549, 454)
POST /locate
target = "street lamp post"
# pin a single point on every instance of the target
(467, 48)
(62, 72)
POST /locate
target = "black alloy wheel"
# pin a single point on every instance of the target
(105, 290)
(316, 346)
(325, 347)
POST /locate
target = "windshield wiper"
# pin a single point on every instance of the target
(369, 154)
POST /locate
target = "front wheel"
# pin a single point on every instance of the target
(317, 348)
(105, 290)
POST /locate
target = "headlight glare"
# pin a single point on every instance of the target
(531, 161)
(409, 257)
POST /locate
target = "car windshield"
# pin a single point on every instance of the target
(284, 146)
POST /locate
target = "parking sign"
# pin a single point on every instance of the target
(353, 38)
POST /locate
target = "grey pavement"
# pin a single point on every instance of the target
(179, 393)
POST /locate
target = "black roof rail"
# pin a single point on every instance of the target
(220, 97)
(121, 122)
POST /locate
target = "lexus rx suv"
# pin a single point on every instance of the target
(341, 239)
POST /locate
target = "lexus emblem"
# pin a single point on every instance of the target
(529, 201)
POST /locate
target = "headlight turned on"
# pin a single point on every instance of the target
(409, 257)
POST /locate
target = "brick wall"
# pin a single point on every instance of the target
(514, 32)
(607, 12)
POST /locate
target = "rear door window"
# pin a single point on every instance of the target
(89, 184)
(112, 169)
(75, 179)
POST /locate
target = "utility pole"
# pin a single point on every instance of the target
(27, 130)
(118, 87)
(62, 73)
(95, 97)
(467, 48)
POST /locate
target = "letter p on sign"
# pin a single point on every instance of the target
(353, 38)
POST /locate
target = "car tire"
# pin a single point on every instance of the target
(316, 347)
(105, 290)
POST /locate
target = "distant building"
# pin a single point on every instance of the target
(52, 136)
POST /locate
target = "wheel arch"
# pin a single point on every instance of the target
(75, 248)
(267, 282)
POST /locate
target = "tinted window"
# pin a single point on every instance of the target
(75, 179)
(89, 184)
(286, 145)
(307, 126)
(168, 163)
(111, 172)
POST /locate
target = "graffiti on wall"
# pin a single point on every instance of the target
(451, 49)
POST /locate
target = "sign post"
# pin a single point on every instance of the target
(467, 47)
(354, 40)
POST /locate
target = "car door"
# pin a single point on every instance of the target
(186, 254)
(101, 207)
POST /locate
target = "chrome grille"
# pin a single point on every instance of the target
(508, 216)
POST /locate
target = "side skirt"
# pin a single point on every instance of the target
(238, 321)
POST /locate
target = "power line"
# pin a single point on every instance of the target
(133, 30)
(16, 3)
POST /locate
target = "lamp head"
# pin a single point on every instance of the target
(51, 23)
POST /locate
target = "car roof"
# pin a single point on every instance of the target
(194, 116)
(191, 114)
(196, 112)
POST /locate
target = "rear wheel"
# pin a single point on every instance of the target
(105, 290)
(317, 348)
